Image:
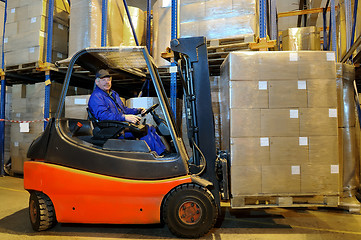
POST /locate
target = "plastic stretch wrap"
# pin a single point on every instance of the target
(26, 31)
(86, 19)
(213, 19)
(347, 128)
(304, 38)
(280, 122)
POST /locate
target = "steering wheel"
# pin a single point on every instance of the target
(150, 109)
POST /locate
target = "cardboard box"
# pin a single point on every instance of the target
(12, 29)
(246, 180)
(285, 69)
(245, 123)
(287, 94)
(317, 70)
(320, 179)
(318, 122)
(280, 122)
(37, 23)
(288, 150)
(323, 150)
(303, 38)
(25, 40)
(248, 94)
(249, 151)
(322, 93)
(18, 91)
(278, 179)
(75, 106)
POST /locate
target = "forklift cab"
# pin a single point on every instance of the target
(69, 141)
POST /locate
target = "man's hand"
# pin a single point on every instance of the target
(132, 118)
(142, 110)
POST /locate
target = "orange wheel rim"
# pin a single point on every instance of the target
(33, 212)
(190, 213)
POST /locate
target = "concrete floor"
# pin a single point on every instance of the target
(275, 223)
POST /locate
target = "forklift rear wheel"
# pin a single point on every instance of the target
(41, 211)
(190, 211)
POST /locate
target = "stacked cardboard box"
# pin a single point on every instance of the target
(86, 25)
(28, 105)
(279, 122)
(26, 31)
(7, 124)
(214, 19)
(304, 38)
(75, 106)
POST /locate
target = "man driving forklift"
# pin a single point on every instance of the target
(105, 104)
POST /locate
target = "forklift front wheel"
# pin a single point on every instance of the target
(41, 211)
(190, 211)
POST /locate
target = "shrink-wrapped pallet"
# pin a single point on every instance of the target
(279, 121)
(214, 19)
(86, 25)
(26, 32)
(303, 38)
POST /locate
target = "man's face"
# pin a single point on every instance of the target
(104, 83)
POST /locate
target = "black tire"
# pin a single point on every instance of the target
(190, 211)
(41, 212)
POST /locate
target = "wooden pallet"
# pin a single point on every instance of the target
(25, 67)
(285, 201)
(218, 50)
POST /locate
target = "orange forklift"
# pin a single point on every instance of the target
(80, 172)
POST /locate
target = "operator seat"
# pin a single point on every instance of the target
(106, 134)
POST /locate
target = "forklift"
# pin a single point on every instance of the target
(77, 175)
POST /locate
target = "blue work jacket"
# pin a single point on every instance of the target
(104, 108)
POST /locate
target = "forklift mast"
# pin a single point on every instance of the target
(192, 58)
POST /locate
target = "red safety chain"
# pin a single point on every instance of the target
(16, 121)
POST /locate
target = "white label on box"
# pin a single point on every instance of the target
(33, 20)
(293, 113)
(18, 114)
(264, 142)
(24, 127)
(296, 170)
(293, 57)
(12, 10)
(302, 85)
(31, 50)
(303, 141)
(173, 69)
(16, 144)
(262, 85)
(330, 56)
(334, 169)
(59, 55)
(332, 113)
(5, 40)
(166, 3)
(60, 26)
(42, 34)
(80, 101)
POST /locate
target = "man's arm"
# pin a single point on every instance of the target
(103, 111)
